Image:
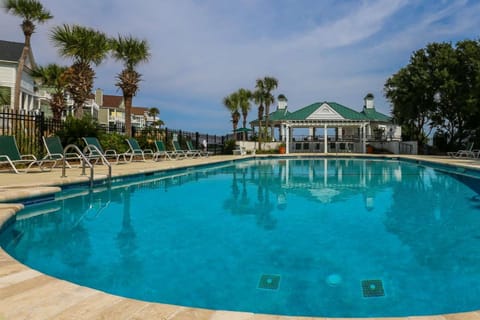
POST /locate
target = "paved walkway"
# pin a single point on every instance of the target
(29, 294)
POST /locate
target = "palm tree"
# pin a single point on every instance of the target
(30, 11)
(54, 77)
(265, 86)
(244, 97)
(231, 102)
(258, 99)
(131, 52)
(85, 46)
(153, 113)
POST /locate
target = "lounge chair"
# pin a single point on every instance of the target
(136, 151)
(464, 153)
(199, 152)
(94, 150)
(185, 153)
(55, 151)
(10, 155)
(239, 151)
(162, 152)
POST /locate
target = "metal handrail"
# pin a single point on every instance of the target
(84, 162)
(98, 153)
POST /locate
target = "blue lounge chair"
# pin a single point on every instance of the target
(94, 150)
(197, 152)
(10, 155)
(163, 152)
(136, 151)
(183, 152)
(55, 151)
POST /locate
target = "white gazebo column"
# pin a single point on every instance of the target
(339, 133)
(282, 132)
(364, 138)
(287, 139)
(325, 138)
(311, 133)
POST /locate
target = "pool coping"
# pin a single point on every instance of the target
(28, 294)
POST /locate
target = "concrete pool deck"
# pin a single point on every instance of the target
(29, 294)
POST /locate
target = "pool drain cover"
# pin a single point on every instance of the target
(372, 288)
(269, 281)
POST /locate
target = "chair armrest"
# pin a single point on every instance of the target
(110, 152)
(53, 156)
(28, 157)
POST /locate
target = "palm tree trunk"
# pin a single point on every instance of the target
(18, 79)
(128, 115)
(244, 126)
(267, 112)
(260, 128)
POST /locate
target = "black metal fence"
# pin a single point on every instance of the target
(29, 127)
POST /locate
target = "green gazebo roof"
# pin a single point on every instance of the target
(344, 112)
(326, 111)
(374, 115)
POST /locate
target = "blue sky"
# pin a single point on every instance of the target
(319, 50)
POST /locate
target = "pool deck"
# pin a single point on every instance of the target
(29, 294)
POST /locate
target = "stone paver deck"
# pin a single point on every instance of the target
(29, 294)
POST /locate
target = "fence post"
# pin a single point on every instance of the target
(40, 124)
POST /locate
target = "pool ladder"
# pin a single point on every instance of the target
(86, 162)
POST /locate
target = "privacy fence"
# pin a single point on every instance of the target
(29, 127)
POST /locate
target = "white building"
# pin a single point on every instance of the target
(10, 53)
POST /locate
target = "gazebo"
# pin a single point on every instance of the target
(332, 127)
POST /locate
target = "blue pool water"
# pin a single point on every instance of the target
(314, 237)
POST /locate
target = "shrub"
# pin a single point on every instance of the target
(229, 146)
(113, 141)
(74, 129)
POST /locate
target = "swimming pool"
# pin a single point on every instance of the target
(365, 243)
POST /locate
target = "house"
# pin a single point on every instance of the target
(10, 53)
(112, 112)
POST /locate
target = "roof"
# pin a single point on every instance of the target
(10, 51)
(139, 110)
(326, 110)
(110, 101)
(275, 116)
(278, 115)
(374, 115)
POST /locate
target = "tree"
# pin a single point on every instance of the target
(264, 98)
(85, 46)
(412, 95)
(468, 57)
(231, 102)
(258, 99)
(30, 11)
(244, 97)
(131, 52)
(154, 112)
(53, 77)
(438, 90)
